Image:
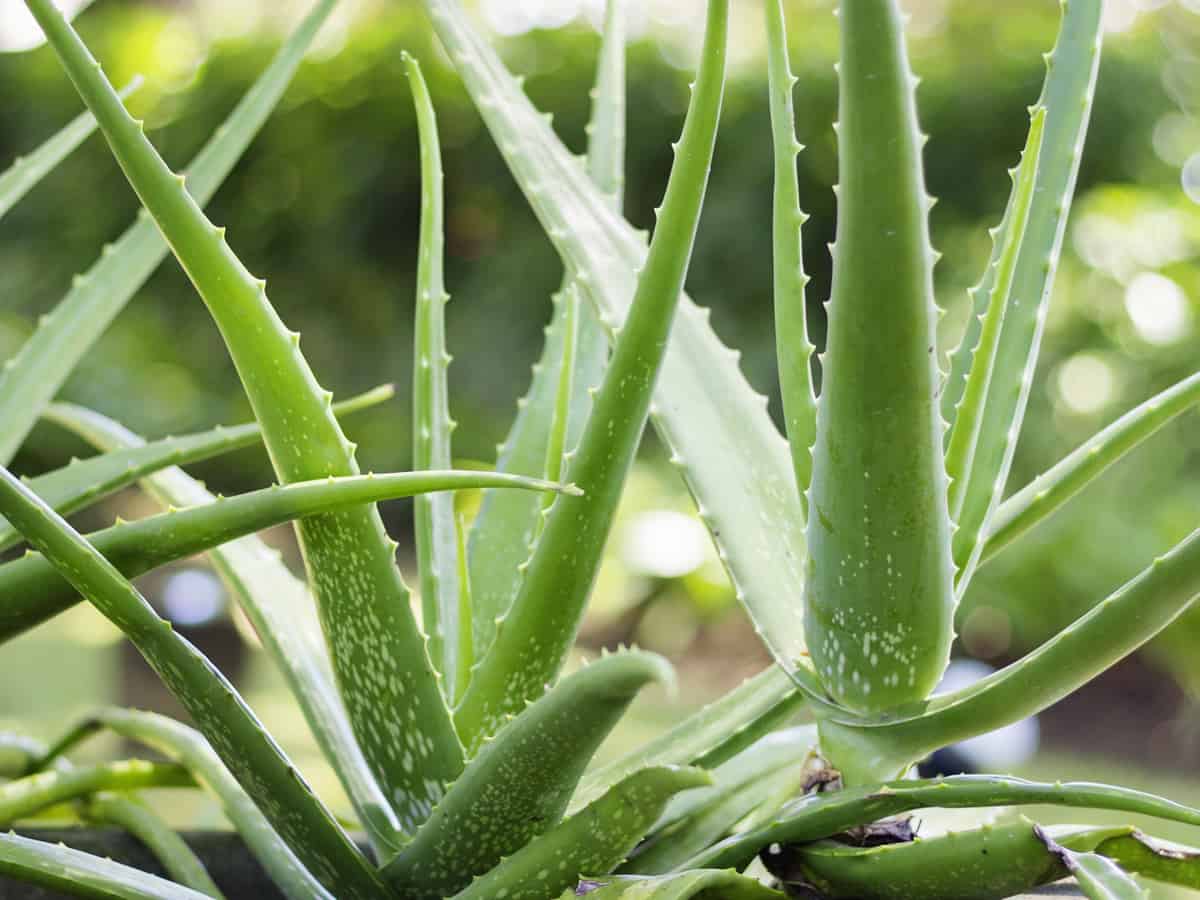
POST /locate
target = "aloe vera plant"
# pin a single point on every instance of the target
(465, 752)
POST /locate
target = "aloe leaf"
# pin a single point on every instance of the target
(83, 482)
(17, 754)
(172, 852)
(708, 736)
(536, 634)
(378, 652)
(595, 840)
(698, 885)
(822, 815)
(436, 531)
(1066, 97)
(189, 748)
(987, 863)
(258, 763)
(768, 774)
(504, 530)
(1135, 852)
(137, 547)
(1108, 632)
(715, 424)
(518, 784)
(26, 171)
(1050, 490)
(61, 869)
(279, 607)
(26, 796)
(964, 435)
(879, 596)
(1097, 876)
(33, 376)
(793, 347)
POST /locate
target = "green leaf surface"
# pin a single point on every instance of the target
(435, 524)
(17, 753)
(254, 758)
(519, 783)
(987, 863)
(503, 532)
(1050, 490)
(793, 348)
(80, 874)
(767, 775)
(28, 795)
(536, 634)
(879, 595)
(177, 859)
(38, 593)
(83, 482)
(378, 652)
(188, 747)
(1067, 98)
(278, 605)
(964, 435)
(33, 376)
(1145, 856)
(715, 424)
(594, 840)
(1108, 632)
(821, 815)
(706, 737)
(26, 171)
(1097, 876)
(695, 885)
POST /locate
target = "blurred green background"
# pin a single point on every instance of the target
(325, 205)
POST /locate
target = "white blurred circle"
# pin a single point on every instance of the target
(665, 544)
(1157, 307)
(193, 597)
(18, 30)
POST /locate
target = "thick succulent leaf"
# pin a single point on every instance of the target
(30, 379)
(1066, 97)
(716, 426)
(18, 752)
(378, 652)
(26, 796)
(964, 435)
(1050, 490)
(172, 852)
(188, 747)
(1144, 856)
(59, 868)
(768, 774)
(822, 815)
(708, 736)
(594, 840)
(26, 171)
(136, 547)
(879, 596)
(536, 634)
(1108, 632)
(1097, 876)
(503, 532)
(518, 784)
(278, 605)
(209, 698)
(793, 348)
(987, 863)
(435, 524)
(83, 482)
(702, 884)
